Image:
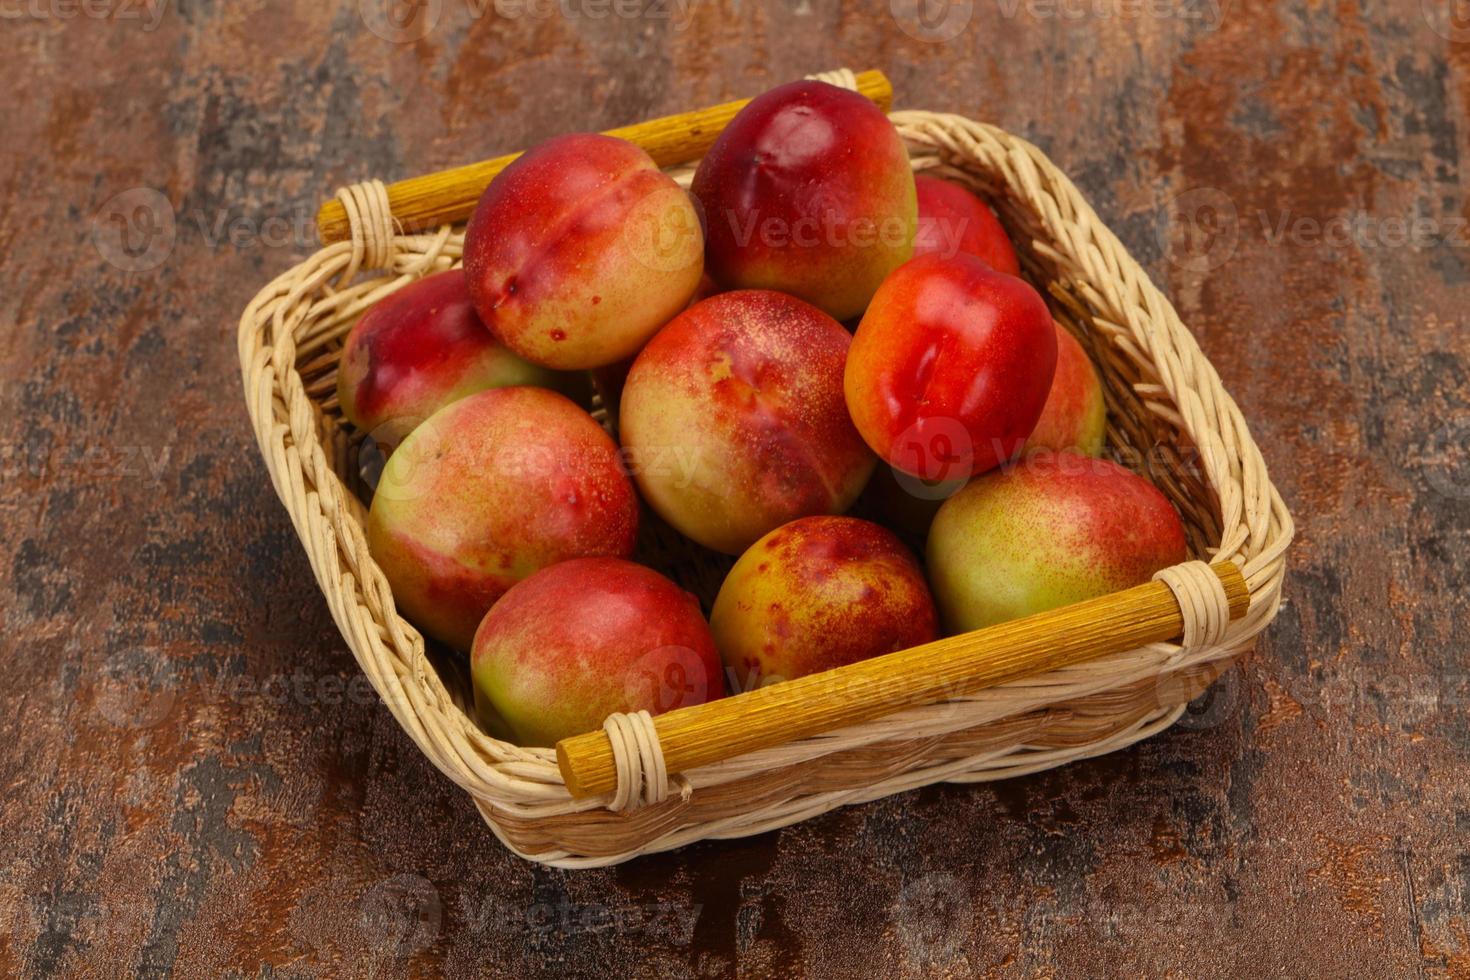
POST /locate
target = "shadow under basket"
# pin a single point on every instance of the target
(1169, 419)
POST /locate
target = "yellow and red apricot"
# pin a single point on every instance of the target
(819, 593)
(583, 639)
(952, 220)
(1051, 530)
(1075, 415)
(421, 348)
(734, 423)
(808, 191)
(580, 250)
(488, 490)
(950, 367)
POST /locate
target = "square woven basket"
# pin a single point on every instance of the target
(1169, 418)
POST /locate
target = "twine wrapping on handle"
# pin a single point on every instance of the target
(841, 77)
(373, 229)
(643, 778)
(1202, 602)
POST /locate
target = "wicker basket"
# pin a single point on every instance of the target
(1169, 417)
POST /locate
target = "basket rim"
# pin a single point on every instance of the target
(280, 329)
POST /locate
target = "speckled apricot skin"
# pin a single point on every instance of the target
(819, 593)
(421, 348)
(488, 490)
(734, 422)
(808, 191)
(1076, 414)
(580, 250)
(950, 367)
(581, 640)
(953, 220)
(1054, 529)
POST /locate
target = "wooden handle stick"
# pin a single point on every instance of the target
(951, 667)
(450, 196)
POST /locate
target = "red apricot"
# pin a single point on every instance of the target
(488, 490)
(734, 421)
(1075, 415)
(1054, 529)
(808, 191)
(580, 250)
(583, 639)
(953, 220)
(419, 349)
(950, 367)
(818, 593)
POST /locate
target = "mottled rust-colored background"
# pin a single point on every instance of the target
(196, 784)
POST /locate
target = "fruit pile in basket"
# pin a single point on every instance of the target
(809, 325)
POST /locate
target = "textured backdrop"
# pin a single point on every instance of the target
(196, 781)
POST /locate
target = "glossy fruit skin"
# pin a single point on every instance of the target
(1054, 529)
(950, 367)
(734, 421)
(583, 639)
(421, 348)
(808, 191)
(488, 490)
(580, 250)
(1076, 414)
(953, 220)
(819, 593)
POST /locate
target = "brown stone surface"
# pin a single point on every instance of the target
(197, 784)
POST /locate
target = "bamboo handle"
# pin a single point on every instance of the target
(448, 197)
(951, 667)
